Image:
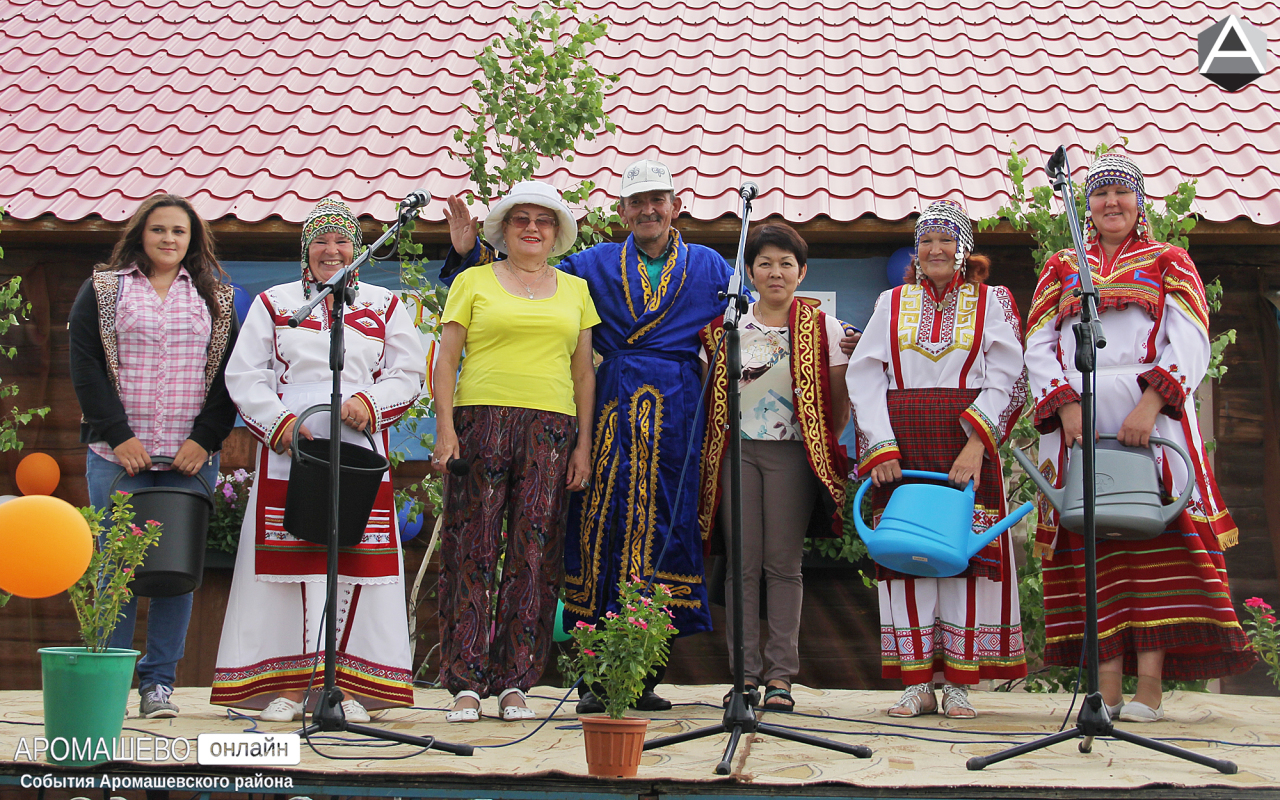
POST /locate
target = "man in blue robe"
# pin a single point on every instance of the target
(653, 293)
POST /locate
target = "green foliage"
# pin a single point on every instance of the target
(104, 587)
(13, 310)
(623, 649)
(848, 547)
(538, 97)
(230, 500)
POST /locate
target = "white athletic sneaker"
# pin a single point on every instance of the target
(281, 710)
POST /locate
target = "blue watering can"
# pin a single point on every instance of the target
(927, 530)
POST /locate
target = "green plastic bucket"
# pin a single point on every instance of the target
(85, 697)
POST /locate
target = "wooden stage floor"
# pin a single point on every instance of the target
(924, 757)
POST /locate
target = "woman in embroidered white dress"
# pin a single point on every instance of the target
(936, 384)
(274, 622)
(1164, 606)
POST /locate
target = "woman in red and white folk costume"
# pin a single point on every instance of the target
(274, 619)
(1164, 608)
(937, 383)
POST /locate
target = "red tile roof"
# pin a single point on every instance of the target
(258, 108)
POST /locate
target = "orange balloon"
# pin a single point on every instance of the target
(38, 473)
(45, 546)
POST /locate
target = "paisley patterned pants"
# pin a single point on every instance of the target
(496, 607)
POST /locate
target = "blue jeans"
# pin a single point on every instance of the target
(167, 617)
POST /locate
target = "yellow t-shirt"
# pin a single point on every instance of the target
(518, 350)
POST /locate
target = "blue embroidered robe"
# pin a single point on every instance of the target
(646, 414)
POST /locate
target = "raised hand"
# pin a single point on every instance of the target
(463, 228)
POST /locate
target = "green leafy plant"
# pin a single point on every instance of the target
(1261, 628)
(623, 649)
(537, 98)
(849, 545)
(13, 311)
(100, 593)
(230, 500)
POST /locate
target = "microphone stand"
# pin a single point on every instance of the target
(328, 716)
(1094, 719)
(738, 717)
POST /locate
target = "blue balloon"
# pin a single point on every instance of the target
(243, 301)
(408, 530)
(896, 269)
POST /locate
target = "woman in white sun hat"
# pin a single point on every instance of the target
(514, 412)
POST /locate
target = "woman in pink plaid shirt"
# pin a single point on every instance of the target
(150, 334)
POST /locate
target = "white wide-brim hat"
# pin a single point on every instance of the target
(535, 193)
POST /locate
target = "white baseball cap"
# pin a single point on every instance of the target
(535, 193)
(646, 175)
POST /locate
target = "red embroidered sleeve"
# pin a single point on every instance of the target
(1046, 417)
(1170, 388)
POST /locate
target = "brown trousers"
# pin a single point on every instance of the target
(778, 493)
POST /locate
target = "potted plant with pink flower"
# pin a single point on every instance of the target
(616, 656)
(1261, 628)
(86, 689)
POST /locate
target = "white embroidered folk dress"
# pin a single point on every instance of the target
(274, 618)
(956, 367)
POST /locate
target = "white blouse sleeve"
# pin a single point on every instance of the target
(403, 369)
(252, 381)
(868, 382)
(1003, 390)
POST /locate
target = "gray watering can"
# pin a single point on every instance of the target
(927, 530)
(1130, 502)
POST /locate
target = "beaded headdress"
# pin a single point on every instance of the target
(1108, 170)
(329, 216)
(947, 216)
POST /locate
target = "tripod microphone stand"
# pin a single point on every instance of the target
(738, 717)
(328, 716)
(1094, 720)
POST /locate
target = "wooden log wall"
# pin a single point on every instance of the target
(839, 630)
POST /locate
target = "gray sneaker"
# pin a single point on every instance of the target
(156, 704)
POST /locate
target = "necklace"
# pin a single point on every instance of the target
(528, 288)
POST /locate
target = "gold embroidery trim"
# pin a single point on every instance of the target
(583, 601)
(646, 432)
(810, 404)
(716, 433)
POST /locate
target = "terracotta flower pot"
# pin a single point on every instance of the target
(613, 745)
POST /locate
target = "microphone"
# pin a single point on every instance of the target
(1057, 161)
(749, 191)
(415, 200)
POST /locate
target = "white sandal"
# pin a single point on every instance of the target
(955, 702)
(514, 713)
(913, 700)
(466, 713)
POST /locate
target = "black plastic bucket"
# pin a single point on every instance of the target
(175, 566)
(306, 506)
